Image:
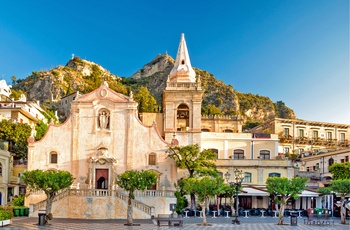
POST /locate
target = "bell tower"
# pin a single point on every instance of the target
(182, 100)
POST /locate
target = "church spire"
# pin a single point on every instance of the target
(182, 71)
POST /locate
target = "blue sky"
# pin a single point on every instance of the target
(296, 51)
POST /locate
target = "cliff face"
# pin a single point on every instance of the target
(77, 75)
(249, 107)
(80, 75)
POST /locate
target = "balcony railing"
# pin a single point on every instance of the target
(314, 141)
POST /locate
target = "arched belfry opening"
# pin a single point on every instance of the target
(183, 117)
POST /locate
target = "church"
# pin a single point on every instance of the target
(104, 137)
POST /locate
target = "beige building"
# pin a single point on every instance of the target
(299, 136)
(105, 136)
(20, 111)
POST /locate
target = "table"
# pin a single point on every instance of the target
(246, 213)
(275, 211)
(299, 212)
(195, 212)
(262, 213)
(296, 211)
(200, 214)
(214, 215)
(227, 212)
(186, 214)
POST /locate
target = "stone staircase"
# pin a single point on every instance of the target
(105, 204)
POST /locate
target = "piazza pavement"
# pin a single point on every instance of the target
(220, 223)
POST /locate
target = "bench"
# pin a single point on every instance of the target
(169, 219)
(318, 219)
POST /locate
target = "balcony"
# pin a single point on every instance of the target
(14, 180)
(252, 163)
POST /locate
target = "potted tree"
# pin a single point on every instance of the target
(5, 217)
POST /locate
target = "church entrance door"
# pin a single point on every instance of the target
(101, 178)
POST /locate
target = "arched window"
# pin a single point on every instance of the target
(247, 177)
(183, 116)
(274, 174)
(330, 161)
(205, 130)
(152, 159)
(53, 158)
(265, 154)
(228, 131)
(238, 154)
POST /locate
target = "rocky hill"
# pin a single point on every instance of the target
(84, 76)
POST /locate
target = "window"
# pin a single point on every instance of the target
(286, 132)
(265, 154)
(346, 158)
(53, 158)
(152, 159)
(0, 169)
(342, 138)
(301, 132)
(238, 154)
(274, 174)
(315, 134)
(301, 151)
(247, 177)
(228, 131)
(329, 136)
(286, 150)
(330, 161)
(317, 165)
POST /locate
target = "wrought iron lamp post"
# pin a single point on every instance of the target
(239, 176)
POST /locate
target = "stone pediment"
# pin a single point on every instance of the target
(102, 160)
(104, 93)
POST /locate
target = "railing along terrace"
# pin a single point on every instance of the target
(42, 204)
(105, 193)
(182, 85)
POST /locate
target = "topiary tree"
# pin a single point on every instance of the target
(342, 187)
(51, 182)
(197, 163)
(204, 188)
(283, 189)
(133, 180)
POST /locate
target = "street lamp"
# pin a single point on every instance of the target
(239, 176)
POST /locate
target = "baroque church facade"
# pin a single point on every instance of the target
(104, 137)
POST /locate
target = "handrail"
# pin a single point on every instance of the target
(106, 193)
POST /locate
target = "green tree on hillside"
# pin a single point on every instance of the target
(40, 128)
(211, 110)
(16, 134)
(146, 101)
